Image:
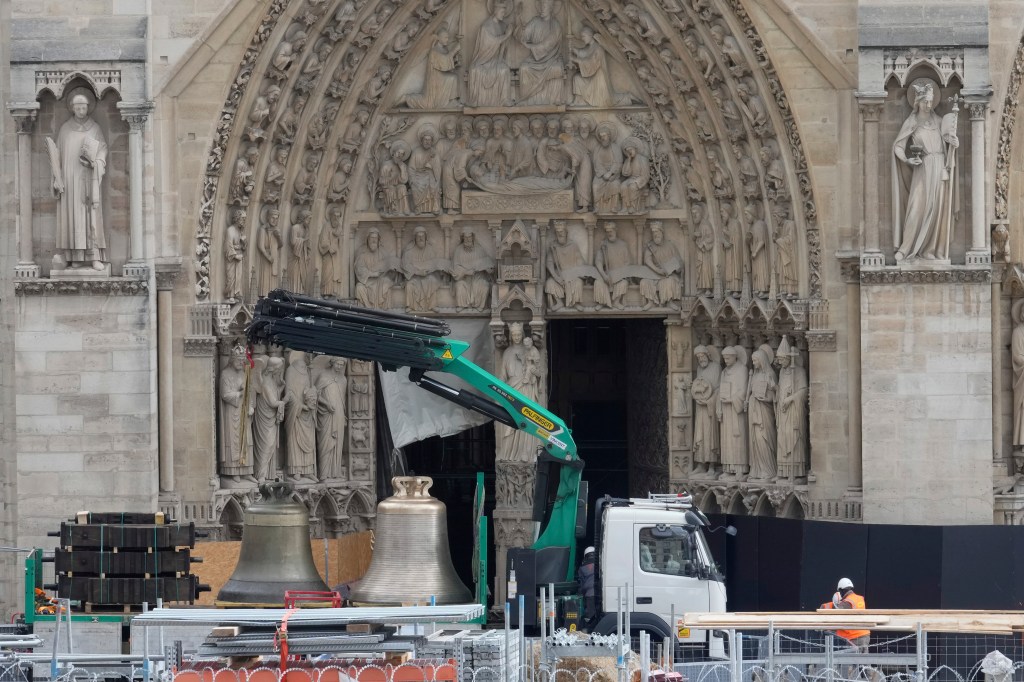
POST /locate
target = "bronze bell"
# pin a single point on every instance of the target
(411, 562)
(276, 555)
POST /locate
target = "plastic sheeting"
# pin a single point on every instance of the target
(414, 414)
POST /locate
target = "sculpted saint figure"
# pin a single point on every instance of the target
(339, 181)
(498, 150)
(268, 415)
(732, 249)
(757, 245)
(761, 396)
(523, 373)
(472, 268)
(373, 266)
(785, 251)
(540, 74)
(704, 240)
(331, 391)
(278, 166)
(78, 162)
(330, 248)
(578, 154)
(1017, 358)
(490, 78)
(235, 411)
(636, 173)
(607, 170)
(662, 257)
(552, 160)
(706, 453)
(301, 253)
(268, 245)
(425, 173)
(732, 401)
(926, 144)
(612, 257)
(242, 182)
(455, 173)
(300, 420)
(234, 254)
(394, 180)
(592, 85)
(449, 136)
(524, 149)
(791, 413)
(423, 271)
(564, 284)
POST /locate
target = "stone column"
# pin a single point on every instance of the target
(978, 253)
(24, 114)
(870, 109)
(135, 114)
(167, 271)
(851, 275)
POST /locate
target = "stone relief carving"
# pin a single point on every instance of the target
(732, 242)
(472, 271)
(329, 246)
(268, 414)
(243, 182)
(704, 241)
(331, 390)
(706, 429)
(791, 413)
(300, 263)
(762, 390)
(424, 270)
(441, 81)
(731, 404)
(234, 254)
(425, 173)
(591, 84)
(786, 267)
(664, 260)
(268, 247)
(375, 266)
(236, 410)
(490, 77)
(522, 368)
(567, 271)
(757, 243)
(300, 419)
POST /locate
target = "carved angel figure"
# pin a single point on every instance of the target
(592, 85)
(441, 82)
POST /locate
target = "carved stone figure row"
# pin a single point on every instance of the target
(424, 269)
(300, 409)
(749, 423)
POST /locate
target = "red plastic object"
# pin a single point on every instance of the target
(294, 597)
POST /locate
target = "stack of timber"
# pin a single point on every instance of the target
(905, 620)
(121, 560)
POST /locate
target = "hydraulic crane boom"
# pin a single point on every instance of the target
(397, 340)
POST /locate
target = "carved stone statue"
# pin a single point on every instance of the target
(490, 78)
(330, 254)
(423, 270)
(236, 454)
(274, 179)
(305, 179)
(607, 170)
(662, 257)
(268, 414)
(234, 254)
(356, 130)
(300, 420)
(636, 173)
(552, 161)
(592, 85)
(706, 449)
(331, 390)
(373, 267)
(268, 246)
(472, 270)
(425, 173)
(541, 73)
(242, 181)
(785, 251)
(926, 144)
(301, 253)
(761, 396)
(455, 173)
(660, 93)
(360, 396)
(704, 240)
(791, 413)
(524, 149)
(339, 181)
(575, 149)
(78, 162)
(394, 180)
(732, 249)
(732, 402)
(757, 246)
(441, 82)
(612, 259)
(289, 122)
(498, 150)
(566, 272)
(644, 23)
(521, 369)
(1017, 358)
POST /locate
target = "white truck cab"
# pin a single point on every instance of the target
(656, 546)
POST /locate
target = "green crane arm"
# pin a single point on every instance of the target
(397, 340)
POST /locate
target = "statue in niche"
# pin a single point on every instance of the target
(925, 149)
(613, 260)
(490, 78)
(1000, 243)
(582, 167)
(268, 414)
(258, 115)
(732, 397)
(519, 369)
(305, 180)
(704, 240)
(785, 251)
(236, 455)
(636, 173)
(703, 56)
(441, 82)
(394, 180)
(701, 120)
(287, 51)
(301, 253)
(372, 26)
(552, 160)
(329, 247)
(472, 270)
(455, 173)
(607, 170)
(376, 86)
(373, 267)
(774, 171)
(314, 65)
(645, 25)
(274, 179)
(730, 50)
(300, 420)
(680, 395)
(234, 254)
(268, 246)
(732, 249)
(592, 85)
(727, 108)
(756, 239)
(319, 127)
(707, 454)
(748, 172)
(662, 257)
(341, 79)
(360, 396)
(659, 92)
(338, 190)
(242, 181)
(78, 162)
(791, 414)
(423, 271)
(524, 149)
(752, 105)
(721, 181)
(403, 40)
(356, 130)
(541, 73)
(425, 173)
(343, 19)
(360, 441)
(331, 390)
(289, 122)
(498, 150)
(762, 388)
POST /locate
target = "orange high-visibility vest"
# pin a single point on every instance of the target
(856, 602)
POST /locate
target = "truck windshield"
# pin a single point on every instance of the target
(668, 550)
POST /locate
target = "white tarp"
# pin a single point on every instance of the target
(414, 414)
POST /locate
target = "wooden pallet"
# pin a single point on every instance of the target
(89, 607)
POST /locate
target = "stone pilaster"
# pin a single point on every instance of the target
(135, 114)
(24, 114)
(978, 253)
(870, 110)
(167, 271)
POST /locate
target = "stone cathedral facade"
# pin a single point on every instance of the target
(818, 201)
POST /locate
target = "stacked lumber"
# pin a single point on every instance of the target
(908, 620)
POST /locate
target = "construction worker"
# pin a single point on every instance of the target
(846, 598)
(585, 575)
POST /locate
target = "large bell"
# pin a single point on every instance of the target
(276, 555)
(411, 562)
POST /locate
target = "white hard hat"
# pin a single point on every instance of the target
(589, 550)
(844, 583)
